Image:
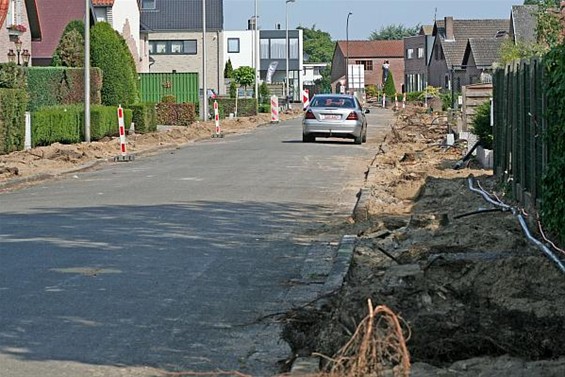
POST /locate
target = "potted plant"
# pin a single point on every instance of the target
(16, 29)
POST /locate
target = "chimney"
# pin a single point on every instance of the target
(449, 29)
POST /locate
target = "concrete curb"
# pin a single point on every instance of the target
(340, 267)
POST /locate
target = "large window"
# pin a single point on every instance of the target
(410, 53)
(233, 45)
(420, 52)
(148, 4)
(275, 48)
(187, 47)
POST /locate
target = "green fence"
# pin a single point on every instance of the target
(183, 86)
(520, 149)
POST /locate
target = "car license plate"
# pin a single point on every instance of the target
(330, 117)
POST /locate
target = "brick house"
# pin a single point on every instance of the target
(417, 54)
(20, 26)
(451, 40)
(370, 54)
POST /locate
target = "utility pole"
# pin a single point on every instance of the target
(87, 71)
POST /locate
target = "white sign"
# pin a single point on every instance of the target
(356, 76)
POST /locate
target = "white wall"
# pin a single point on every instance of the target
(128, 10)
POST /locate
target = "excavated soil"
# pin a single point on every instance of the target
(475, 296)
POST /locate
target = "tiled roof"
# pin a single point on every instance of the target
(463, 30)
(485, 51)
(103, 3)
(524, 22)
(372, 49)
(184, 15)
(54, 15)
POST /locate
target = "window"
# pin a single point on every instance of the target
(148, 4)
(367, 64)
(275, 48)
(264, 48)
(13, 17)
(410, 53)
(293, 48)
(233, 45)
(278, 49)
(420, 52)
(187, 47)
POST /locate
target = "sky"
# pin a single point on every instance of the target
(367, 15)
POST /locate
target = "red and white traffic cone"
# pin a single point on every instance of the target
(217, 120)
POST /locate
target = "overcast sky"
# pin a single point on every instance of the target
(368, 15)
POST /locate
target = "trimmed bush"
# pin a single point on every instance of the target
(13, 103)
(144, 117)
(109, 52)
(12, 76)
(52, 86)
(65, 124)
(245, 107)
(389, 88)
(481, 125)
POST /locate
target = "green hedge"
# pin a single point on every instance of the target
(51, 86)
(245, 107)
(65, 124)
(13, 103)
(144, 117)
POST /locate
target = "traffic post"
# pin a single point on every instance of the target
(218, 132)
(274, 109)
(124, 156)
(404, 100)
(305, 99)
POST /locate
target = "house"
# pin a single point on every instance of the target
(480, 58)
(312, 72)
(417, 54)
(446, 66)
(523, 23)
(271, 60)
(123, 15)
(175, 29)
(20, 26)
(371, 55)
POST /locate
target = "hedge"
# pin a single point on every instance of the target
(144, 117)
(51, 86)
(245, 107)
(13, 104)
(65, 124)
(176, 114)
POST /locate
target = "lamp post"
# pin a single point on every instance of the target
(25, 57)
(204, 84)
(347, 47)
(18, 44)
(11, 56)
(287, 52)
(256, 54)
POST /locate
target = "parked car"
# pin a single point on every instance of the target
(334, 115)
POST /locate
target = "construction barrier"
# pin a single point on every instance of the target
(384, 100)
(404, 101)
(123, 143)
(217, 121)
(274, 109)
(305, 98)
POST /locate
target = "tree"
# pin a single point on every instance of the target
(228, 70)
(70, 51)
(318, 45)
(389, 89)
(481, 125)
(110, 53)
(324, 85)
(244, 76)
(394, 32)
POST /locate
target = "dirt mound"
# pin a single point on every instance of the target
(458, 271)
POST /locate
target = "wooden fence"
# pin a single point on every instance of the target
(520, 145)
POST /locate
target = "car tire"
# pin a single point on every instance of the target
(364, 140)
(307, 138)
(358, 140)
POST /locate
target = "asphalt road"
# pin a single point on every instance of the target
(176, 261)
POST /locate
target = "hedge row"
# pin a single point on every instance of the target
(53, 86)
(65, 124)
(176, 114)
(245, 107)
(13, 104)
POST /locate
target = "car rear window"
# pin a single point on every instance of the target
(332, 102)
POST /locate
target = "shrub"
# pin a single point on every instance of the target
(371, 90)
(13, 103)
(144, 117)
(175, 114)
(389, 88)
(264, 93)
(481, 125)
(109, 52)
(12, 76)
(414, 96)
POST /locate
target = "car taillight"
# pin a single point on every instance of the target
(309, 115)
(353, 116)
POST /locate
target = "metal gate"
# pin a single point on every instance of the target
(183, 86)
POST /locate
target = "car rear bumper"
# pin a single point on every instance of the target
(329, 130)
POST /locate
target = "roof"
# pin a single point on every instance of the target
(463, 30)
(184, 15)
(372, 49)
(54, 15)
(426, 30)
(103, 3)
(484, 51)
(523, 20)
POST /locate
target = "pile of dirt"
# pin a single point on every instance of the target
(49, 161)
(461, 274)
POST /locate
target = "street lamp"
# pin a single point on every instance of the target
(287, 52)
(347, 47)
(204, 57)
(25, 57)
(11, 56)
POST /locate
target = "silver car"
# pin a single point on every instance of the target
(334, 115)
